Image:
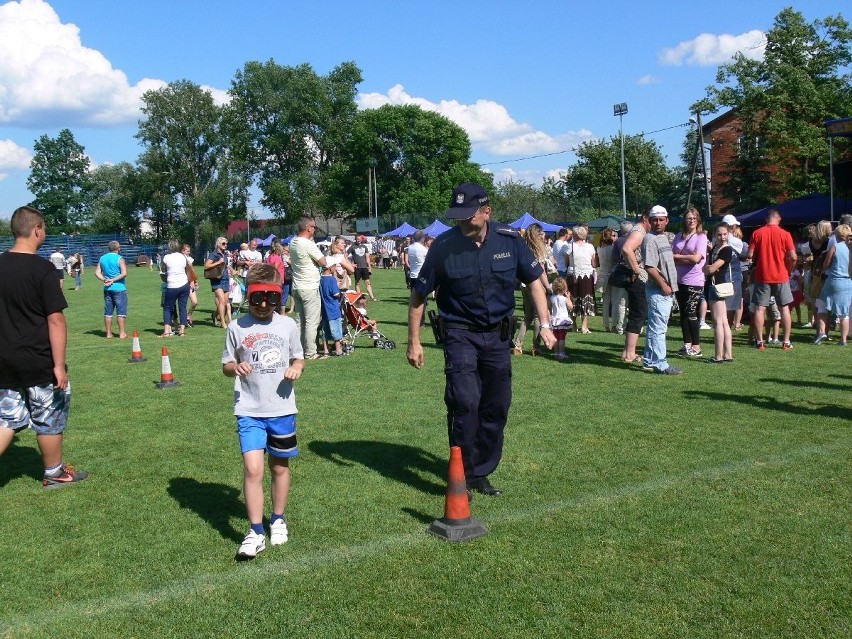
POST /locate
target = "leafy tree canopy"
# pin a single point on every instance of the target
(597, 174)
(58, 179)
(782, 101)
(289, 125)
(419, 157)
(185, 165)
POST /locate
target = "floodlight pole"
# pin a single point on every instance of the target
(620, 109)
(703, 162)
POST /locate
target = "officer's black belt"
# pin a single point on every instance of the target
(472, 328)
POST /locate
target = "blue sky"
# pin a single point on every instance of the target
(523, 78)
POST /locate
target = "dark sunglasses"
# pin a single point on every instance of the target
(272, 298)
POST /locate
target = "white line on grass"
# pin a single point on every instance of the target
(259, 571)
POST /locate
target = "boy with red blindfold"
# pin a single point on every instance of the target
(264, 353)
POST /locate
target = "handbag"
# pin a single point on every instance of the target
(191, 275)
(214, 272)
(724, 290)
(622, 276)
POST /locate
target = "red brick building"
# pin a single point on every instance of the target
(725, 136)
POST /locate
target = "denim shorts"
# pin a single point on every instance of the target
(333, 329)
(115, 300)
(275, 435)
(42, 408)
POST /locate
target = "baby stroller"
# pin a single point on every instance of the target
(353, 305)
(237, 295)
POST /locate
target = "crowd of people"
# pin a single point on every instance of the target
(641, 273)
(637, 275)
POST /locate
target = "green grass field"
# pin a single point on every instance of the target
(715, 504)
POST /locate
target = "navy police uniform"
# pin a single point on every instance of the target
(475, 294)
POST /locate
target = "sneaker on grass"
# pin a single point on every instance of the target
(252, 545)
(66, 477)
(278, 532)
(671, 370)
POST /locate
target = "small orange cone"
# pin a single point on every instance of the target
(167, 378)
(136, 355)
(457, 524)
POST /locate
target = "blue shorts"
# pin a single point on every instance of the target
(42, 408)
(333, 329)
(115, 300)
(221, 286)
(275, 435)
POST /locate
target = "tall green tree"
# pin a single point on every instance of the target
(513, 198)
(419, 157)
(288, 125)
(596, 176)
(187, 173)
(113, 199)
(782, 102)
(59, 179)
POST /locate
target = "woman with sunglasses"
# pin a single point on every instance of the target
(220, 287)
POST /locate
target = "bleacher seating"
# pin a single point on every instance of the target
(91, 247)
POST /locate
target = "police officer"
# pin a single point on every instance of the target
(473, 268)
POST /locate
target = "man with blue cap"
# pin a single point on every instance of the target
(473, 268)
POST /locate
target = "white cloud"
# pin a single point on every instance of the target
(648, 79)
(220, 96)
(535, 177)
(709, 49)
(487, 123)
(47, 76)
(13, 157)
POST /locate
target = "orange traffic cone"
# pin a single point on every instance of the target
(136, 355)
(167, 379)
(457, 524)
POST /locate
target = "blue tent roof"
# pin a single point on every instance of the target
(436, 228)
(526, 219)
(403, 230)
(807, 209)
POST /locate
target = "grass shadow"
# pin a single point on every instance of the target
(766, 402)
(419, 516)
(20, 461)
(398, 462)
(215, 503)
(799, 382)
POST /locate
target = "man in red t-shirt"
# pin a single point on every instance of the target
(775, 254)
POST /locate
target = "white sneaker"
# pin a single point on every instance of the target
(705, 326)
(278, 532)
(252, 545)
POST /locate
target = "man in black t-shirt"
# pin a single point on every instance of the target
(34, 388)
(359, 254)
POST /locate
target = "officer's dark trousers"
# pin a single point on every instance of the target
(478, 394)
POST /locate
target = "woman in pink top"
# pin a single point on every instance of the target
(690, 254)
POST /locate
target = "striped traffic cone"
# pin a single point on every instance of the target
(136, 355)
(167, 378)
(457, 524)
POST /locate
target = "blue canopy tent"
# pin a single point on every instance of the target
(808, 209)
(436, 228)
(403, 230)
(526, 219)
(268, 241)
